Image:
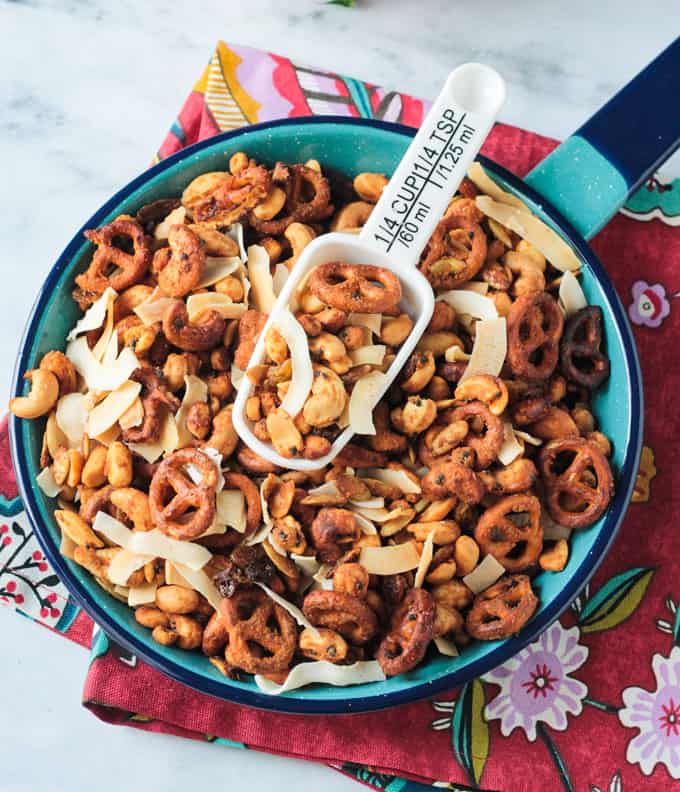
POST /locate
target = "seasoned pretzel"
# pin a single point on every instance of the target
(203, 334)
(578, 481)
(502, 610)
(179, 508)
(581, 359)
(155, 396)
(180, 266)
(410, 635)
(455, 253)
(262, 635)
(233, 196)
(249, 328)
(356, 287)
(215, 636)
(487, 443)
(344, 613)
(252, 496)
(515, 542)
(130, 268)
(535, 325)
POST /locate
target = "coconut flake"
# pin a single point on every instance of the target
(571, 297)
(218, 267)
(45, 480)
(307, 564)
(321, 671)
(102, 349)
(198, 580)
(281, 273)
(151, 310)
(489, 349)
(365, 395)
(528, 438)
(108, 411)
(478, 287)
(365, 524)
(327, 488)
(294, 611)
(395, 478)
(142, 595)
(485, 574)
(173, 577)
(261, 281)
(231, 509)
(376, 515)
(454, 354)
(94, 317)
(425, 560)
(235, 231)
(479, 177)
(168, 439)
(535, 231)
(510, 449)
(97, 376)
(176, 217)
(195, 391)
(471, 303)
(372, 355)
(372, 321)
(133, 416)
(236, 376)
(446, 646)
(303, 374)
(124, 564)
(391, 560)
(214, 301)
(71, 417)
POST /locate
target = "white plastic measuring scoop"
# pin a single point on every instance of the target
(396, 233)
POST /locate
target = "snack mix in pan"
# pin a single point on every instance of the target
(462, 484)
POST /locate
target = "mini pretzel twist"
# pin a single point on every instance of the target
(513, 543)
(410, 635)
(455, 253)
(535, 325)
(356, 287)
(155, 396)
(581, 358)
(502, 610)
(179, 508)
(344, 613)
(578, 481)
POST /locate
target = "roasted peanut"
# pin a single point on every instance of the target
(183, 631)
(444, 440)
(316, 446)
(415, 416)
(176, 599)
(438, 389)
(94, 470)
(445, 531)
(41, 398)
(288, 535)
(443, 317)
(418, 372)
(323, 644)
(555, 559)
(601, 441)
(149, 616)
(490, 390)
(223, 438)
(369, 186)
(118, 466)
(176, 368)
(554, 425)
(583, 418)
(220, 359)
(237, 162)
(352, 336)
(232, 287)
(394, 332)
(219, 385)
(327, 400)
(446, 620)
(253, 412)
(466, 555)
(135, 506)
(275, 346)
(285, 437)
(453, 593)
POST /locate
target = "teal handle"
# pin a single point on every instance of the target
(591, 175)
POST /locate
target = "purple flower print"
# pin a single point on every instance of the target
(650, 306)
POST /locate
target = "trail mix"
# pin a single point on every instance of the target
(462, 484)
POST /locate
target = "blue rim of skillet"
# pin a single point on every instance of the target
(613, 518)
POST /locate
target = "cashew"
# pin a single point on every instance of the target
(323, 644)
(583, 419)
(67, 467)
(443, 317)
(332, 319)
(127, 301)
(310, 303)
(439, 342)
(275, 346)
(176, 599)
(41, 398)
(415, 416)
(288, 535)
(351, 578)
(466, 554)
(454, 593)
(238, 162)
(437, 510)
(183, 631)
(53, 438)
(418, 372)
(198, 420)
(448, 438)
(272, 204)
(299, 235)
(352, 216)
(555, 559)
(395, 331)
(223, 438)
(135, 505)
(327, 400)
(445, 531)
(215, 243)
(118, 466)
(285, 437)
(63, 370)
(369, 186)
(490, 390)
(331, 349)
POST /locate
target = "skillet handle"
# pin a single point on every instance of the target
(590, 176)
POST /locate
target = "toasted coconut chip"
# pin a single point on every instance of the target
(377, 515)
(327, 488)
(489, 349)
(168, 439)
(173, 576)
(307, 564)
(259, 536)
(281, 273)
(216, 458)
(365, 524)
(470, 303)
(390, 560)
(571, 296)
(261, 281)
(446, 647)
(485, 574)
(231, 509)
(294, 611)
(479, 177)
(94, 317)
(71, 417)
(455, 353)
(151, 310)
(373, 355)
(394, 478)
(98, 376)
(199, 581)
(176, 217)
(195, 391)
(236, 376)
(101, 350)
(153, 543)
(303, 373)
(133, 416)
(124, 564)
(528, 438)
(235, 231)
(478, 287)
(323, 672)
(372, 321)
(218, 267)
(365, 395)
(323, 578)
(535, 231)
(214, 301)
(371, 503)
(425, 560)
(108, 411)
(142, 595)
(510, 448)
(45, 480)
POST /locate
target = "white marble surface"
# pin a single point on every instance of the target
(87, 91)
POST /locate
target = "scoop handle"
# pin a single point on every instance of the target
(435, 163)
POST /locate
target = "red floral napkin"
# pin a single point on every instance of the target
(594, 703)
